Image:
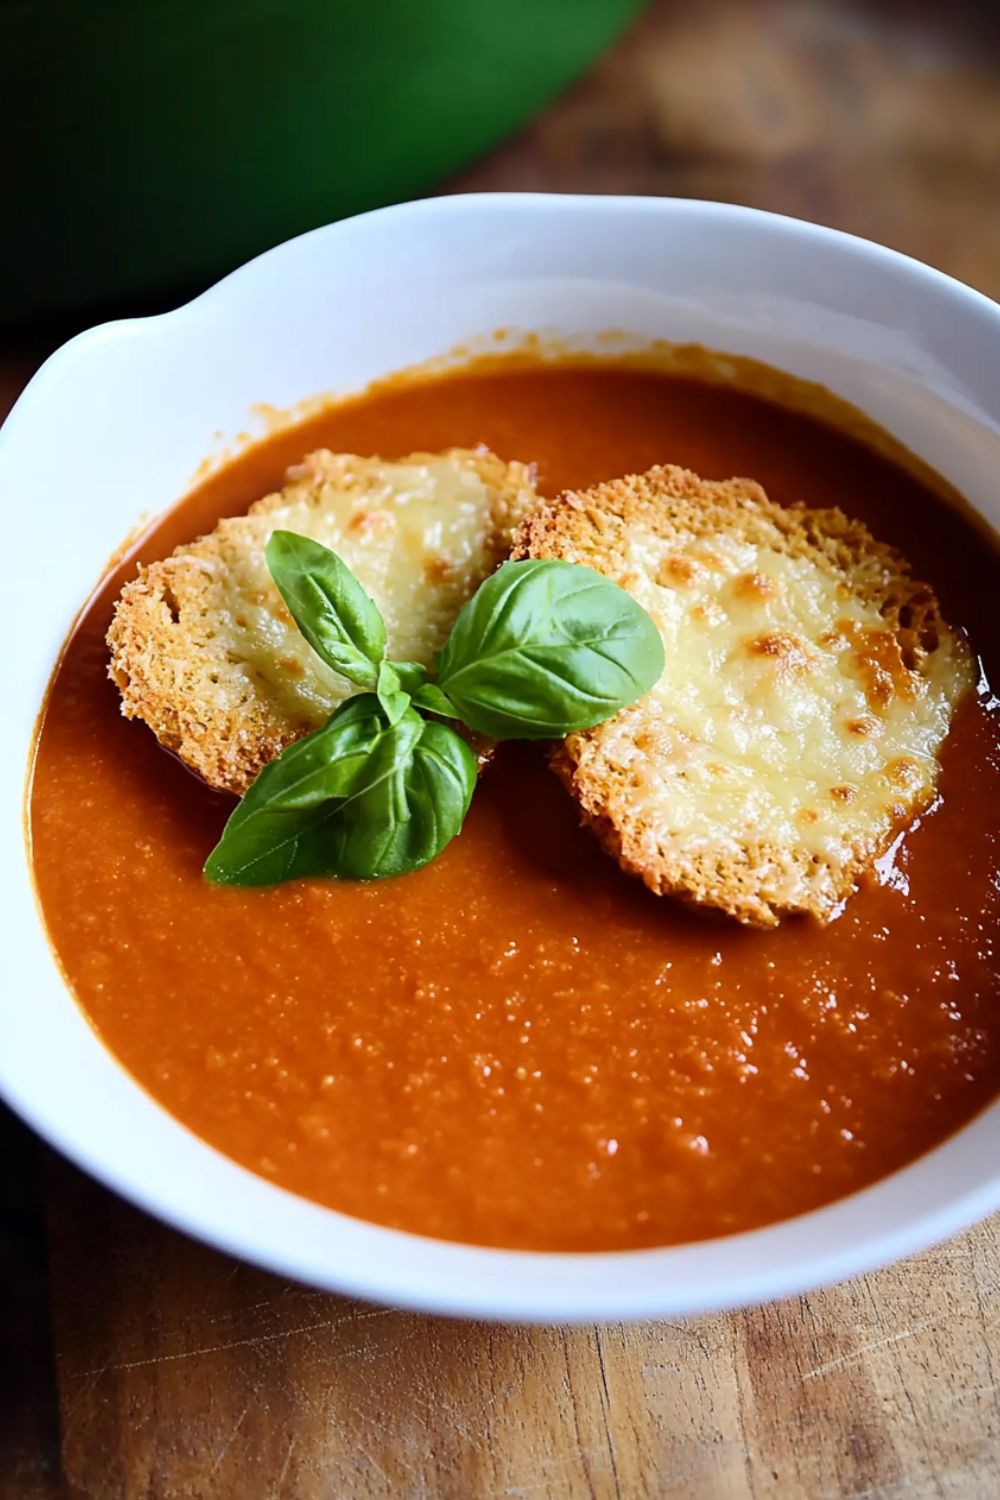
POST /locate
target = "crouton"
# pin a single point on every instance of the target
(808, 687)
(204, 650)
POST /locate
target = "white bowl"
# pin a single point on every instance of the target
(116, 423)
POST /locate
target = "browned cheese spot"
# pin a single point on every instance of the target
(709, 559)
(755, 586)
(654, 741)
(437, 570)
(878, 657)
(370, 522)
(785, 651)
(903, 772)
(676, 572)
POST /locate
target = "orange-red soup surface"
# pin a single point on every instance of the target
(519, 1045)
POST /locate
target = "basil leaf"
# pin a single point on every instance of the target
(430, 698)
(424, 694)
(338, 619)
(411, 674)
(544, 648)
(390, 694)
(273, 829)
(402, 819)
(359, 798)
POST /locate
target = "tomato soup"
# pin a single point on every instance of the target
(519, 1045)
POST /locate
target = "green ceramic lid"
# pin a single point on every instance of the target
(146, 146)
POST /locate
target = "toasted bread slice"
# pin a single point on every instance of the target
(205, 651)
(808, 687)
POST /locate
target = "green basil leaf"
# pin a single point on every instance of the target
(338, 619)
(273, 834)
(411, 674)
(544, 648)
(390, 694)
(424, 694)
(430, 698)
(359, 798)
(402, 819)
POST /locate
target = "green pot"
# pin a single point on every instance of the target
(148, 145)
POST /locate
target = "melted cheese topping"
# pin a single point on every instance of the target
(786, 710)
(419, 537)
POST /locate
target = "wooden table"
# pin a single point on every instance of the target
(136, 1365)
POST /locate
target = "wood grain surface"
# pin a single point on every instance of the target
(137, 1365)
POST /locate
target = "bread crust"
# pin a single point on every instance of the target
(171, 640)
(747, 876)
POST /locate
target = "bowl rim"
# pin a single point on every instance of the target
(468, 1280)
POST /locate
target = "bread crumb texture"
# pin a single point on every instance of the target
(204, 650)
(808, 687)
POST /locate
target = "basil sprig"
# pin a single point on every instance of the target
(542, 649)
